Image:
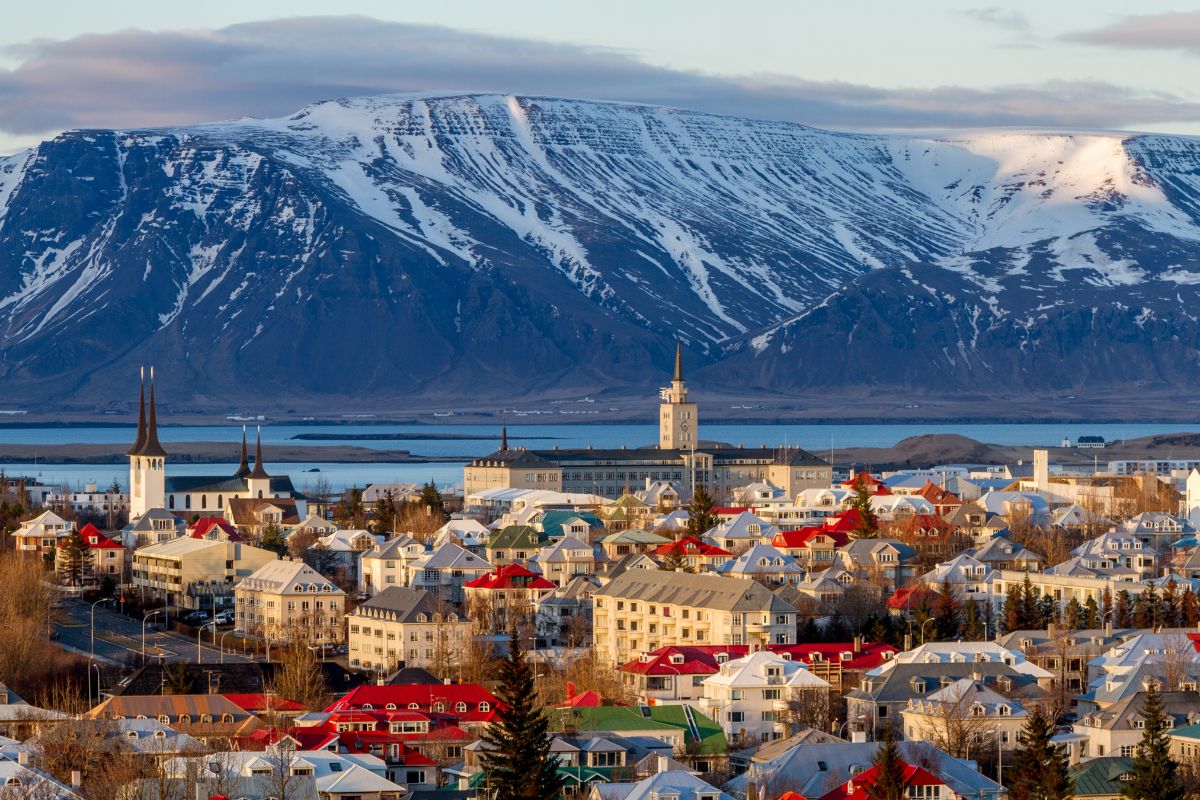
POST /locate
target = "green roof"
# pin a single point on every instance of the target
(514, 536)
(1099, 776)
(619, 719)
(552, 521)
(1187, 732)
(636, 537)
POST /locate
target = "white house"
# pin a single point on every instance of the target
(749, 697)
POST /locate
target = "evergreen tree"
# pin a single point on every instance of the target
(1073, 615)
(810, 632)
(1030, 612)
(867, 524)
(1170, 605)
(271, 538)
(1106, 605)
(889, 780)
(974, 629)
(73, 559)
(674, 561)
(518, 764)
(1039, 767)
(1091, 615)
(432, 499)
(178, 680)
(947, 612)
(1047, 611)
(1189, 608)
(1123, 609)
(1153, 775)
(1013, 621)
(700, 512)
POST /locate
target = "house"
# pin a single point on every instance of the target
(1063, 652)
(565, 560)
(20, 720)
(964, 573)
(253, 515)
(213, 528)
(827, 586)
(280, 770)
(1101, 778)
(880, 561)
(106, 557)
(343, 548)
(207, 717)
(444, 571)
(978, 522)
(750, 697)
(564, 616)
(386, 564)
(314, 524)
(1116, 549)
(918, 783)
(468, 534)
(680, 731)
(1090, 443)
(505, 596)
(288, 601)
(660, 495)
(1003, 553)
(408, 627)
(739, 532)
(763, 563)
(932, 537)
(19, 780)
(944, 501)
(393, 492)
(697, 555)
(644, 610)
(814, 547)
(632, 540)
(669, 784)
(558, 523)
(41, 534)
(1117, 729)
(513, 543)
(468, 704)
(936, 717)
(155, 526)
(195, 573)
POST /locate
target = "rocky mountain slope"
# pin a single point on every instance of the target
(409, 249)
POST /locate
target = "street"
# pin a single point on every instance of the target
(118, 639)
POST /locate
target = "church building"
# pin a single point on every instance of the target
(202, 495)
(680, 457)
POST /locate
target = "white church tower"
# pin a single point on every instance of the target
(677, 421)
(1192, 498)
(147, 459)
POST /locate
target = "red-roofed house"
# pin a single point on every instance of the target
(934, 539)
(214, 528)
(919, 784)
(468, 703)
(506, 595)
(872, 483)
(107, 556)
(697, 555)
(814, 548)
(944, 501)
(259, 703)
(675, 674)
(908, 598)
(726, 513)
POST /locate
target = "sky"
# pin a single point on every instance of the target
(850, 65)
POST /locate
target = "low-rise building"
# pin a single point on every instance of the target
(406, 627)
(41, 534)
(444, 571)
(506, 596)
(195, 573)
(565, 560)
(385, 565)
(965, 708)
(289, 601)
(753, 698)
(643, 610)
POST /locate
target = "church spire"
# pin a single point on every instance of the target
(259, 472)
(244, 467)
(151, 446)
(678, 362)
(503, 437)
(140, 441)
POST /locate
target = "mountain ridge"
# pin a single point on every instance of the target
(405, 249)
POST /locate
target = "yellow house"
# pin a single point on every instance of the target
(193, 572)
(287, 600)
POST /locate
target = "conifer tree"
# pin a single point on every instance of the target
(1189, 608)
(1039, 769)
(517, 763)
(432, 499)
(947, 612)
(700, 512)
(1123, 609)
(889, 780)
(1091, 615)
(1169, 605)
(1013, 619)
(974, 629)
(1031, 615)
(1153, 775)
(74, 559)
(867, 525)
(1073, 615)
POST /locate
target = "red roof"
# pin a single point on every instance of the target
(512, 576)
(925, 522)
(96, 540)
(870, 481)
(907, 596)
(201, 527)
(939, 496)
(858, 787)
(425, 696)
(702, 659)
(587, 699)
(802, 536)
(255, 702)
(729, 511)
(691, 546)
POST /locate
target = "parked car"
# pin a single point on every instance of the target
(195, 617)
(224, 618)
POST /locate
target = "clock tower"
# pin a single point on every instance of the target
(677, 421)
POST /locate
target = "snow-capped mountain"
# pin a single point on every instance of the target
(382, 248)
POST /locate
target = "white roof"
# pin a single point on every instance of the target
(952, 652)
(671, 783)
(451, 556)
(751, 671)
(343, 541)
(762, 559)
(25, 782)
(288, 577)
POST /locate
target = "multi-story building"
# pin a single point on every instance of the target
(385, 565)
(750, 697)
(679, 458)
(289, 601)
(965, 708)
(566, 559)
(406, 627)
(505, 597)
(195, 573)
(642, 610)
(444, 571)
(106, 557)
(41, 534)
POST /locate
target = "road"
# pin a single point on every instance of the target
(118, 638)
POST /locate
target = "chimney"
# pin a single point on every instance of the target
(907, 642)
(858, 643)
(570, 689)
(664, 763)
(858, 736)
(647, 483)
(1108, 627)
(23, 758)
(76, 778)
(445, 681)
(1052, 629)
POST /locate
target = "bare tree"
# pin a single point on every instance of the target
(951, 722)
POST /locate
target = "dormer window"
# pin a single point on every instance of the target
(676, 658)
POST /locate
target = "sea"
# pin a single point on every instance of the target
(817, 438)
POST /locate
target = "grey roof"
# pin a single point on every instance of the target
(1182, 707)
(706, 591)
(895, 685)
(860, 550)
(401, 604)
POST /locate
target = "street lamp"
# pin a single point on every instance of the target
(93, 665)
(92, 640)
(221, 643)
(199, 631)
(923, 624)
(145, 618)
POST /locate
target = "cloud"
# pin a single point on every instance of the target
(1170, 31)
(136, 78)
(1007, 18)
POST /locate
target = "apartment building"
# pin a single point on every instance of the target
(406, 627)
(195, 573)
(643, 610)
(288, 600)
